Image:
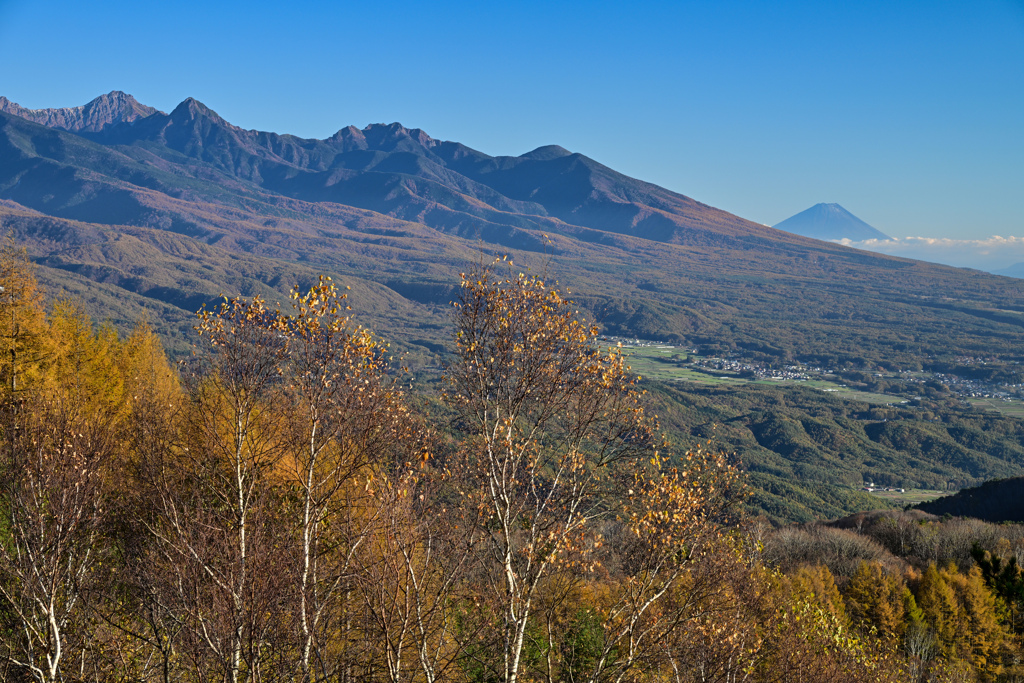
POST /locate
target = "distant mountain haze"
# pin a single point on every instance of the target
(829, 222)
(1016, 270)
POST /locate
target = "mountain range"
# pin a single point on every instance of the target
(114, 107)
(141, 213)
(134, 209)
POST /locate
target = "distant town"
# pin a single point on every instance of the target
(962, 388)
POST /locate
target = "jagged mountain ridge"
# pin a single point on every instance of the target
(106, 110)
(407, 174)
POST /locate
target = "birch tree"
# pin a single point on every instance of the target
(552, 422)
(52, 510)
(216, 535)
(346, 413)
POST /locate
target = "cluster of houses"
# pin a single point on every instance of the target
(972, 388)
(963, 388)
(633, 342)
(790, 372)
(871, 488)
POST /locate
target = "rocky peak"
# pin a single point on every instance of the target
(106, 110)
(547, 152)
(191, 109)
(393, 135)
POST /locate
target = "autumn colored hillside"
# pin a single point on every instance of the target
(282, 508)
(160, 212)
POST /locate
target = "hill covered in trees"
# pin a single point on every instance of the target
(999, 500)
(280, 508)
(809, 454)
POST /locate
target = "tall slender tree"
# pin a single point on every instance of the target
(552, 421)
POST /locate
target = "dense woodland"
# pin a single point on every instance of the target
(279, 507)
(807, 453)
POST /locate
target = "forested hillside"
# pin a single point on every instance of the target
(998, 500)
(164, 211)
(809, 453)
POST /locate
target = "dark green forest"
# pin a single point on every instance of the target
(807, 453)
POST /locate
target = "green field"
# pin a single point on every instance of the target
(670, 364)
(910, 496)
(1006, 407)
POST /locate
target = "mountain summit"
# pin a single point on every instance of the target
(830, 222)
(106, 110)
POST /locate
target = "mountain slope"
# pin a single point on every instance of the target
(162, 213)
(1000, 500)
(408, 174)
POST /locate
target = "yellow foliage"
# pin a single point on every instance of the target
(24, 342)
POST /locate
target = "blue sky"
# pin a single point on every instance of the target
(909, 114)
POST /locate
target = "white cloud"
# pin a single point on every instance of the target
(991, 254)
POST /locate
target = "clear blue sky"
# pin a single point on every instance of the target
(909, 114)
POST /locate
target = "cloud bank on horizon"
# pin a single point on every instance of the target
(991, 254)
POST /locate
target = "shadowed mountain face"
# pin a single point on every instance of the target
(407, 174)
(1000, 500)
(830, 222)
(177, 208)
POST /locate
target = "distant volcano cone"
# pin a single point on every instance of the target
(830, 222)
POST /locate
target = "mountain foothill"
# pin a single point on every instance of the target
(141, 213)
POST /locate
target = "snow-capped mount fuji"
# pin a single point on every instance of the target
(830, 222)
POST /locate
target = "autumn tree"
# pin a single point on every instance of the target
(49, 554)
(674, 561)
(875, 601)
(721, 634)
(980, 628)
(217, 544)
(416, 578)
(962, 613)
(65, 409)
(552, 421)
(351, 435)
(24, 344)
